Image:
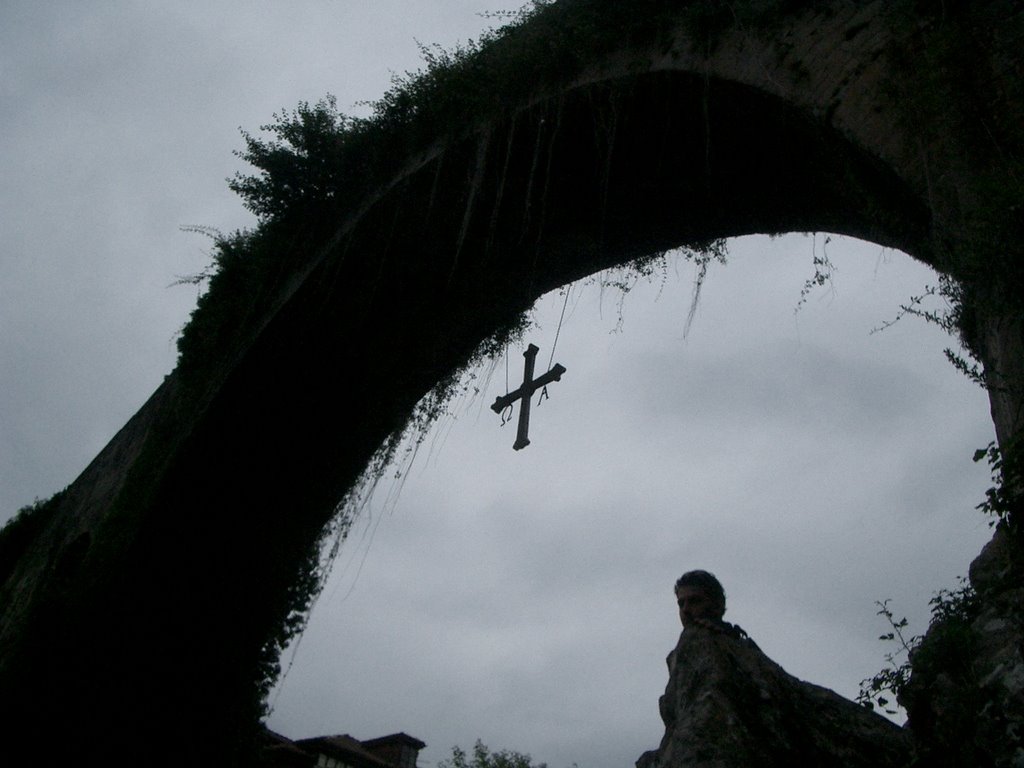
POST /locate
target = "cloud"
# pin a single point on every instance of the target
(519, 597)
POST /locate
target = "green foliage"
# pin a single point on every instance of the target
(482, 757)
(314, 163)
(656, 265)
(302, 592)
(948, 709)
(823, 271)
(20, 531)
(1003, 496)
(947, 647)
(294, 614)
(242, 264)
(951, 316)
(884, 688)
(305, 161)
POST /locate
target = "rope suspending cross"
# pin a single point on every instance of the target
(525, 392)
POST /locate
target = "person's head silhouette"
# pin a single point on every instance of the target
(701, 598)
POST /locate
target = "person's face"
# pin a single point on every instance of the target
(695, 603)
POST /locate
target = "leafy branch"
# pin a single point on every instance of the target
(952, 612)
(891, 680)
(823, 271)
(948, 318)
(1007, 475)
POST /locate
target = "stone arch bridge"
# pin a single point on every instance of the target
(138, 614)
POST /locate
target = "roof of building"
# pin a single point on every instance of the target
(279, 750)
(383, 752)
(345, 748)
(400, 738)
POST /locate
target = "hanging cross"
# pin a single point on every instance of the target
(525, 392)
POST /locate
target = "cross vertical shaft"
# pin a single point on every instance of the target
(523, 393)
(524, 405)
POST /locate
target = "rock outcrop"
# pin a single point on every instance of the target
(965, 699)
(727, 704)
(999, 647)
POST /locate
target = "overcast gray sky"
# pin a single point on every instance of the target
(519, 597)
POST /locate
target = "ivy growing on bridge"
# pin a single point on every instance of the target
(315, 164)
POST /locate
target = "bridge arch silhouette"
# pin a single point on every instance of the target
(180, 542)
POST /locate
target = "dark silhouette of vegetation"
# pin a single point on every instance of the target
(318, 165)
(952, 611)
(1003, 498)
(20, 531)
(482, 757)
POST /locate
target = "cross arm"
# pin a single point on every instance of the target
(504, 401)
(555, 374)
